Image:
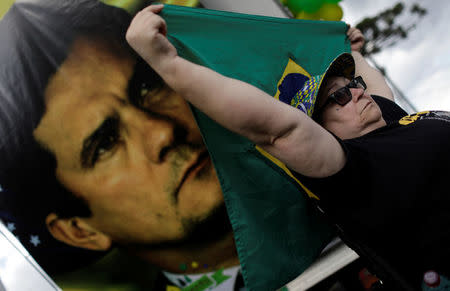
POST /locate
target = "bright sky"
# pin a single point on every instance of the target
(419, 65)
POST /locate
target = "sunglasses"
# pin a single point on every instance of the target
(343, 95)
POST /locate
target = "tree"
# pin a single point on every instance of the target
(385, 30)
(389, 26)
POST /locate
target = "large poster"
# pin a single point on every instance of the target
(98, 154)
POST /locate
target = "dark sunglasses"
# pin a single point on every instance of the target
(343, 95)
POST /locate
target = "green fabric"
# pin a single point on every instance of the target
(278, 233)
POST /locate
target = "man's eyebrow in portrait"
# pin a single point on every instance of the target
(102, 139)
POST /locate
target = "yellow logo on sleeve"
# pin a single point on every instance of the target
(412, 118)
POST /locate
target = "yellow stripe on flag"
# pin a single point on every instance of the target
(285, 169)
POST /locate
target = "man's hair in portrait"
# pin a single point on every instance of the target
(36, 37)
(44, 34)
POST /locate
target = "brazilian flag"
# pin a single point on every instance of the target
(277, 231)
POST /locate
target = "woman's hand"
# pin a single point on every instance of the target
(147, 36)
(356, 38)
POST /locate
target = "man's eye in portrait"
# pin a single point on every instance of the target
(147, 91)
(101, 142)
(144, 85)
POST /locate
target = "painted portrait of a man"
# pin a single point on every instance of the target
(98, 152)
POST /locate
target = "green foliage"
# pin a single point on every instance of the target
(389, 26)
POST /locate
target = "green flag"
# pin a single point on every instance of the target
(277, 231)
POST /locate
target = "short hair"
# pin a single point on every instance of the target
(36, 37)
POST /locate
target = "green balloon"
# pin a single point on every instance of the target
(295, 6)
(331, 12)
(308, 16)
(309, 6)
(312, 6)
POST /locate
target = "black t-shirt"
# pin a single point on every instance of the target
(390, 110)
(392, 196)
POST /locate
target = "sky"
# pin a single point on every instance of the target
(420, 64)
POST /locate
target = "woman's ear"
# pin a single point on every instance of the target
(77, 232)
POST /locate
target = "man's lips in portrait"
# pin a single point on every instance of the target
(199, 161)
